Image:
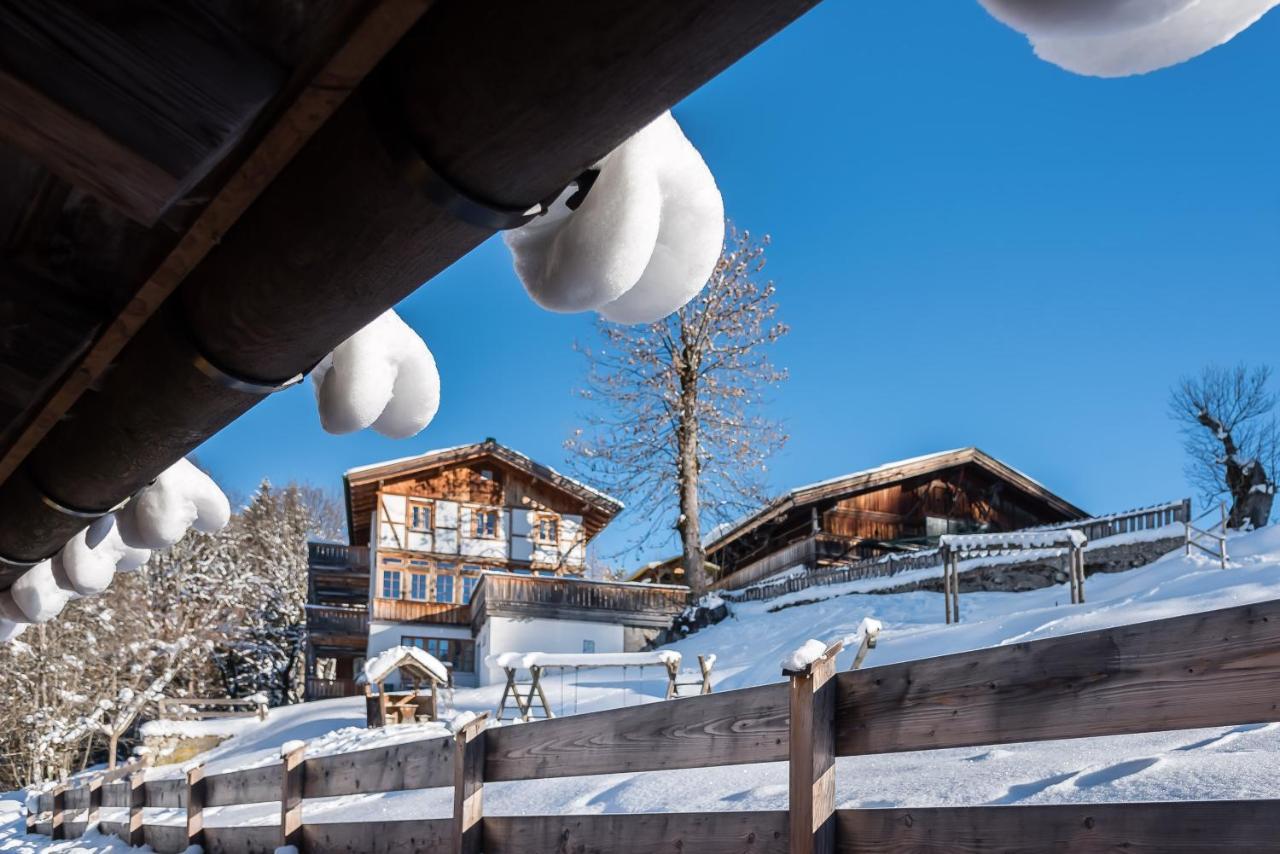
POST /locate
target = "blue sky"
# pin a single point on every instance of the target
(971, 246)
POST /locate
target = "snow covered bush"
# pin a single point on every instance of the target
(1115, 38)
(642, 241)
(382, 377)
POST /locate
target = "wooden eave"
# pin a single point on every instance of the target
(871, 479)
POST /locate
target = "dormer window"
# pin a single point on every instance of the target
(486, 474)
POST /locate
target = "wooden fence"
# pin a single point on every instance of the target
(1219, 668)
(1095, 528)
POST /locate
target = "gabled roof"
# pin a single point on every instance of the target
(361, 483)
(872, 478)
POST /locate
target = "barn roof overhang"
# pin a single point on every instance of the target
(234, 196)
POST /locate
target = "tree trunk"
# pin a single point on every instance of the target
(1251, 494)
(687, 456)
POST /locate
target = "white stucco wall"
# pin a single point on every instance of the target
(383, 635)
(506, 634)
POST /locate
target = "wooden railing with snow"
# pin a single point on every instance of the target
(887, 566)
(1219, 668)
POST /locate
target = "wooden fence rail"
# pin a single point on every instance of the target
(1218, 668)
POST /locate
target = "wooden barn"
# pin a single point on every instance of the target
(896, 507)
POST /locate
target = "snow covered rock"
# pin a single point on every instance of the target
(382, 377)
(182, 497)
(92, 557)
(643, 241)
(1115, 38)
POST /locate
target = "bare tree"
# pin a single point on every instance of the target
(1231, 437)
(674, 427)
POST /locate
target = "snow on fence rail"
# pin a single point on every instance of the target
(1218, 668)
(1094, 529)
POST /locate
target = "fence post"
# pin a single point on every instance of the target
(946, 581)
(291, 780)
(811, 767)
(134, 835)
(1222, 506)
(195, 805)
(95, 805)
(33, 817)
(468, 787)
(58, 830)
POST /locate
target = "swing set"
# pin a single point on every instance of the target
(530, 699)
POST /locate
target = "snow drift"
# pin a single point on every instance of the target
(642, 242)
(382, 377)
(1115, 38)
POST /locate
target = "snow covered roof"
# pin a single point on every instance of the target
(376, 670)
(880, 475)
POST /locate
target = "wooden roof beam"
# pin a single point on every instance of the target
(510, 100)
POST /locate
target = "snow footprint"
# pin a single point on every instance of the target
(1022, 791)
(1112, 773)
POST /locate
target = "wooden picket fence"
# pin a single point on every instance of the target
(1218, 668)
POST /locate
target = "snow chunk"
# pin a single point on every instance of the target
(38, 595)
(869, 628)
(1015, 539)
(290, 746)
(378, 669)
(92, 557)
(1115, 39)
(644, 240)
(525, 660)
(382, 377)
(182, 497)
(803, 656)
(10, 629)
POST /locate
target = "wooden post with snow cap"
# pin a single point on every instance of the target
(195, 804)
(811, 768)
(468, 786)
(291, 783)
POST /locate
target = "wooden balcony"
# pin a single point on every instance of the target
(336, 627)
(326, 689)
(336, 557)
(409, 611)
(567, 598)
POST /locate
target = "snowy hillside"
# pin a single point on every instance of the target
(1238, 762)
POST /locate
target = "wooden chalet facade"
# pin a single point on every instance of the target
(897, 507)
(426, 531)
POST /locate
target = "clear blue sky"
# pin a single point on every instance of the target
(972, 247)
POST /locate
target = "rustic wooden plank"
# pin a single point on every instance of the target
(1216, 668)
(134, 833)
(115, 793)
(256, 839)
(251, 786)
(468, 787)
(425, 764)
(76, 798)
(170, 792)
(58, 828)
(641, 833)
(1203, 827)
(811, 770)
(114, 828)
(195, 805)
(391, 837)
(75, 829)
(292, 774)
(730, 728)
(166, 838)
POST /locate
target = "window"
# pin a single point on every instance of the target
(485, 523)
(486, 474)
(469, 583)
(548, 530)
(418, 587)
(419, 516)
(444, 588)
(326, 668)
(390, 584)
(457, 652)
(588, 646)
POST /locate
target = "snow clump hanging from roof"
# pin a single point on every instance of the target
(1115, 38)
(382, 377)
(640, 244)
(182, 497)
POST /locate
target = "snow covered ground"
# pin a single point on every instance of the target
(1235, 762)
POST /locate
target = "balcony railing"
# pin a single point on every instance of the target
(327, 689)
(577, 599)
(328, 620)
(336, 557)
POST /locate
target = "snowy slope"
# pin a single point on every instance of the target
(1237, 762)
